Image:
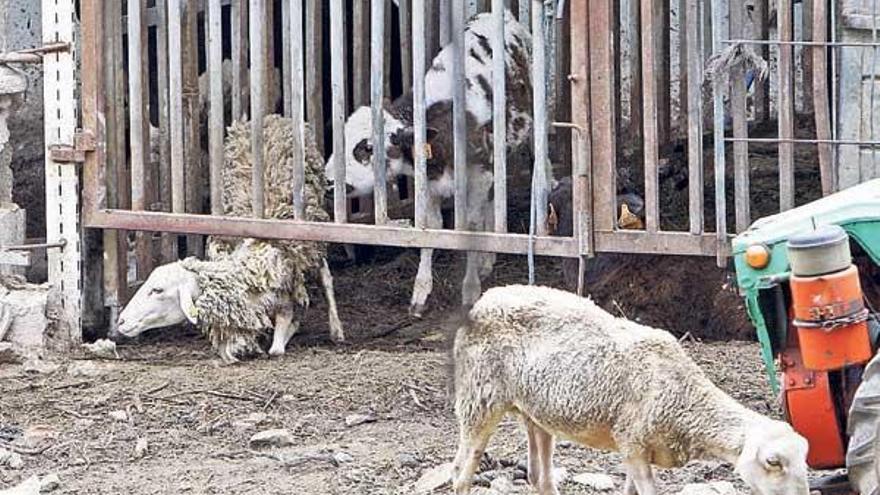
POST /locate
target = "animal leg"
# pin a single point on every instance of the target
(424, 283)
(629, 488)
(544, 441)
(336, 333)
(638, 473)
(471, 444)
(471, 287)
(285, 327)
(534, 460)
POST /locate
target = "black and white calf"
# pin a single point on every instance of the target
(438, 96)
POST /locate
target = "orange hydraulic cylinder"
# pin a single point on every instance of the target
(829, 316)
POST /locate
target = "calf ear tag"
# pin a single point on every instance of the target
(429, 154)
(552, 219)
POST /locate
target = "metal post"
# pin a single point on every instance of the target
(377, 89)
(337, 67)
(499, 117)
(257, 67)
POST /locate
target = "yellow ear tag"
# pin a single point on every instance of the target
(194, 312)
(429, 154)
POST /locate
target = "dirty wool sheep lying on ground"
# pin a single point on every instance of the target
(247, 285)
(570, 369)
(438, 96)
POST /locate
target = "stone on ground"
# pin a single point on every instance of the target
(596, 481)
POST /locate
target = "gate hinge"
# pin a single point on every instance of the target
(83, 142)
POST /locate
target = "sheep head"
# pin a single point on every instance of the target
(774, 460)
(359, 153)
(165, 299)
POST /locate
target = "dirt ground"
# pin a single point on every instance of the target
(197, 416)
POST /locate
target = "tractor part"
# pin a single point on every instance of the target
(820, 251)
(827, 300)
(808, 403)
(831, 320)
(863, 452)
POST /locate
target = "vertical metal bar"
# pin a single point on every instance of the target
(872, 92)
(193, 173)
(650, 125)
(602, 115)
(377, 87)
(432, 29)
(175, 93)
(541, 171)
(169, 241)
(695, 117)
(581, 141)
(762, 90)
(786, 107)
(139, 126)
(361, 53)
(418, 79)
(337, 48)
(297, 106)
(740, 125)
(683, 68)
(389, 28)
(459, 121)
(314, 72)
(806, 52)
(215, 128)
(635, 88)
(285, 56)
(662, 67)
(270, 85)
(499, 114)
(136, 104)
(113, 271)
(257, 67)
(445, 22)
(406, 47)
(525, 15)
(820, 97)
(240, 92)
(62, 180)
(718, 129)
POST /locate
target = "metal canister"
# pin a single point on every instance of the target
(827, 300)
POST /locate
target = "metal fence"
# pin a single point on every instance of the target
(161, 43)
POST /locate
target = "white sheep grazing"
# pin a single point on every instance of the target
(247, 285)
(572, 370)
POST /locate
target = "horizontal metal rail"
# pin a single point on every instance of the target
(802, 141)
(680, 243)
(827, 44)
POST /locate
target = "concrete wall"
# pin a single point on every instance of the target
(20, 27)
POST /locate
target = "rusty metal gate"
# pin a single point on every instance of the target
(121, 194)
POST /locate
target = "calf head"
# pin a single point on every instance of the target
(359, 153)
(774, 460)
(165, 299)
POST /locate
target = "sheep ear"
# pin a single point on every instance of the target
(187, 305)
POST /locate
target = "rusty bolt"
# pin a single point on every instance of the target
(791, 382)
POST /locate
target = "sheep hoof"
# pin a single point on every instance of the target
(337, 338)
(273, 352)
(416, 310)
